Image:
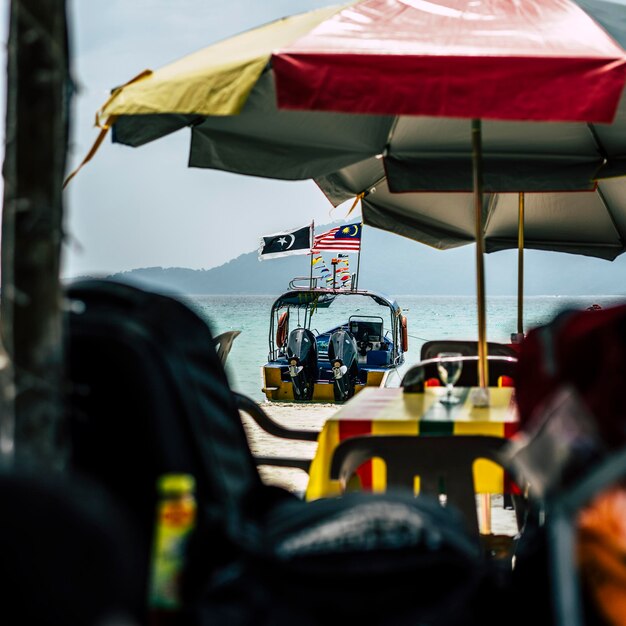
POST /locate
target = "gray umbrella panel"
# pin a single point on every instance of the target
(437, 219)
(138, 130)
(265, 141)
(589, 223)
(611, 140)
(435, 154)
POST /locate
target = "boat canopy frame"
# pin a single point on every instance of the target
(310, 299)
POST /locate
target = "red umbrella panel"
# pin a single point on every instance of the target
(493, 59)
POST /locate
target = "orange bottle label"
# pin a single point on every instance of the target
(178, 513)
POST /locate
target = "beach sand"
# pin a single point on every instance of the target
(313, 416)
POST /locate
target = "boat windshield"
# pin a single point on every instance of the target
(361, 313)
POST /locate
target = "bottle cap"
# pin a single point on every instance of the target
(176, 483)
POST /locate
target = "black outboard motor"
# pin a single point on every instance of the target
(302, 359)
(364, 345)
(342, 354)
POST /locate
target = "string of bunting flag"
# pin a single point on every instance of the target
(341, 274)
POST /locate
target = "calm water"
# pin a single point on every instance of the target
(429, 317)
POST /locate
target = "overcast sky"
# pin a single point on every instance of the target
(143, 207)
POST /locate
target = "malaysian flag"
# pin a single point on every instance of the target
(343, 238)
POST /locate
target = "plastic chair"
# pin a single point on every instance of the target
(434, 459)
(224, 343)
(424, 373)
(467, 348)
(266, 423)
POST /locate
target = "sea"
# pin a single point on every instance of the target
(429, 318)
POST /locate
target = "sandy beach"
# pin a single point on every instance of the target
(313, 416)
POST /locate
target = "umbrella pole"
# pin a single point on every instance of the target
(520, 266)
(483, 373)
(482, 398)
(358, 259)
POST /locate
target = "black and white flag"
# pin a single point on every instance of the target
(297, 241)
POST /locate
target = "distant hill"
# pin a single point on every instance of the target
(396, 266)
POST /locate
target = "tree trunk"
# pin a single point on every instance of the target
(38, 94)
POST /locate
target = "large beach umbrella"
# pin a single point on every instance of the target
(591, 223)
(588, 222)
(372, 81)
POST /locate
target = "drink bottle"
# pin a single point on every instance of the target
(175, 521)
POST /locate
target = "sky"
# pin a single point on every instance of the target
(144, 207)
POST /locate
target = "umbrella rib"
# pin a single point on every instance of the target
(605, 204)
(392, 130)
(605, 156)
(549, 242)
(599, 146)
(492, 203)
(596, 139)
(196, 120)
(432, 228)
(371, 188)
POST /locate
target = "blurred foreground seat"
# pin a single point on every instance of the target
(66, 558)
(571, 455)
(149, 397)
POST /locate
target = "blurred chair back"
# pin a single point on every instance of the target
(439, 461)
(224, 343)
(502, 371)
(148, 396)
(67, 555)
(571, 401)
(431, 349)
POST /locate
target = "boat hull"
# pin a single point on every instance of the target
(276, 389)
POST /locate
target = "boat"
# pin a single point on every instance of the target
(364, 347)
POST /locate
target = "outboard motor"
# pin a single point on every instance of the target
(302, 359)
(342, 354)
(364, 345)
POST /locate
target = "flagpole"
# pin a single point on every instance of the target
(311, 253)
(358, 258)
